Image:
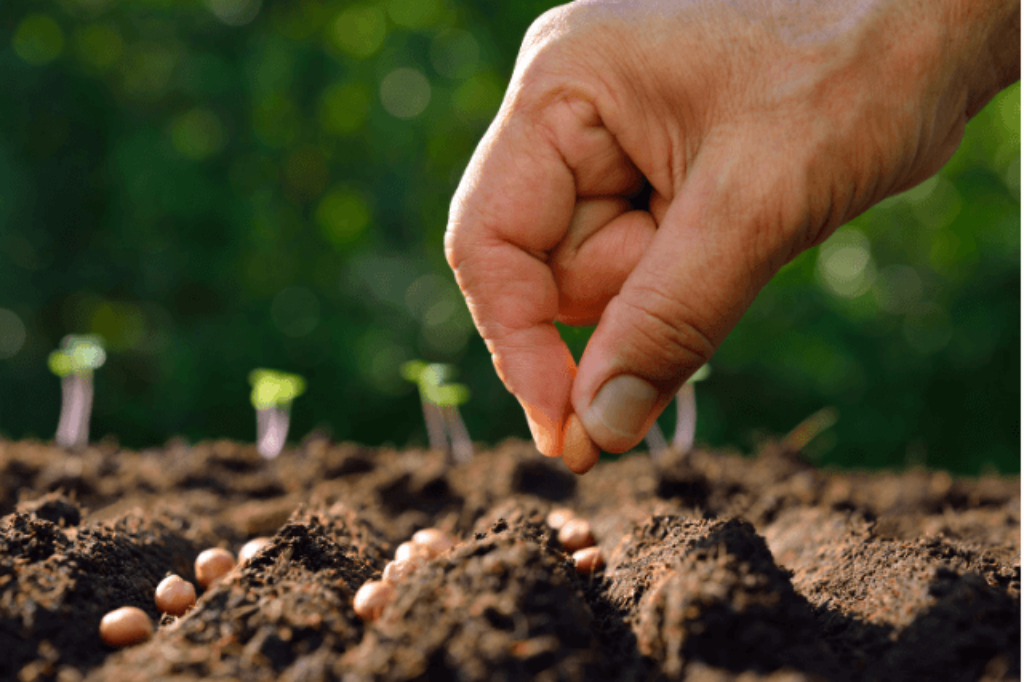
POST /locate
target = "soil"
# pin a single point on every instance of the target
(718, 567)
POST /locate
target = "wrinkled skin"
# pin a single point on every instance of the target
(758, 127)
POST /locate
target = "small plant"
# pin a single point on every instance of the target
(272, 396)
(686, 418)
(446, 431)
(74, 362)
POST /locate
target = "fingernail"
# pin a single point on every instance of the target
(623, 405)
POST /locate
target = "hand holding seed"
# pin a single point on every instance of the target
(653, 165)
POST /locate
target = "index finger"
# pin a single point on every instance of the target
(512, 207)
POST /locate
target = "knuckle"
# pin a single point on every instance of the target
(666, 338)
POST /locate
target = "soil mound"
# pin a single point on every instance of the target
(717, 567)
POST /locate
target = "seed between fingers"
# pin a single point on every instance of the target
(578, 452)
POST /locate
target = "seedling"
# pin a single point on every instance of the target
(810, 428)
(74, 362)
(272, 396)
(446, 431)
(686, 418)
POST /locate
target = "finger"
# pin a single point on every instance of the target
(704, 266)
(604, 243)
(513, 206)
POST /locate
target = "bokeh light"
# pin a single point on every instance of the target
(38, 39)
(234, 12)
(405, 93)
(12, 334)
(359, 31)
(845, 265)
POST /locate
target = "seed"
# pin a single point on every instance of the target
(175, 596)
(575, 535)
(397, 571)
(588, 560)
(212, 565)
(408, 550)
(371, 599)
(125, 626)
(436, 541)
(578, 452)
(250, 549)
(557, 517)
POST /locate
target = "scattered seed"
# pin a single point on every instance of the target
(125, 626)
(250, 549)
(588, 560)
(578, 452)
(557, 517)
(372, 598)
(397, 571)
(407, 550)
(434, 540)
(575, 535)
(212, 565)
(175, 596)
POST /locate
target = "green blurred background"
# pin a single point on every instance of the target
(222, 185)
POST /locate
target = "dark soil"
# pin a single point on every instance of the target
(718, 567)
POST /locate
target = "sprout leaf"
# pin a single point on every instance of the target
(78, 354)
(271, 388)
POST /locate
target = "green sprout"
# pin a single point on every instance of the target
(446, 431)
(272, 396)
(686, 418)
(74, 362)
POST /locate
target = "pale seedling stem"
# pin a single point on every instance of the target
(655, 440)
(462, 444)
(74, 363)
(435, 421)
(686, 419)
(686, 412)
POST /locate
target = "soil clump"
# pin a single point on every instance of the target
(717, 567)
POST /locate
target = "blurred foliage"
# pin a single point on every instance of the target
(220, 185)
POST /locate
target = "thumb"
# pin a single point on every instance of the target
(713, 251)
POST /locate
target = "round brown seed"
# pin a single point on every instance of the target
(588, 560)
(212, 565)
(579, 453)
(250, 549)
(125, 626)
(408, 550)
(575, 535)
(397, 571)
(557, 517)
(372, 598)
(434, 540)
(175, 596)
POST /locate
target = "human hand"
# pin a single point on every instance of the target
(759, 127)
